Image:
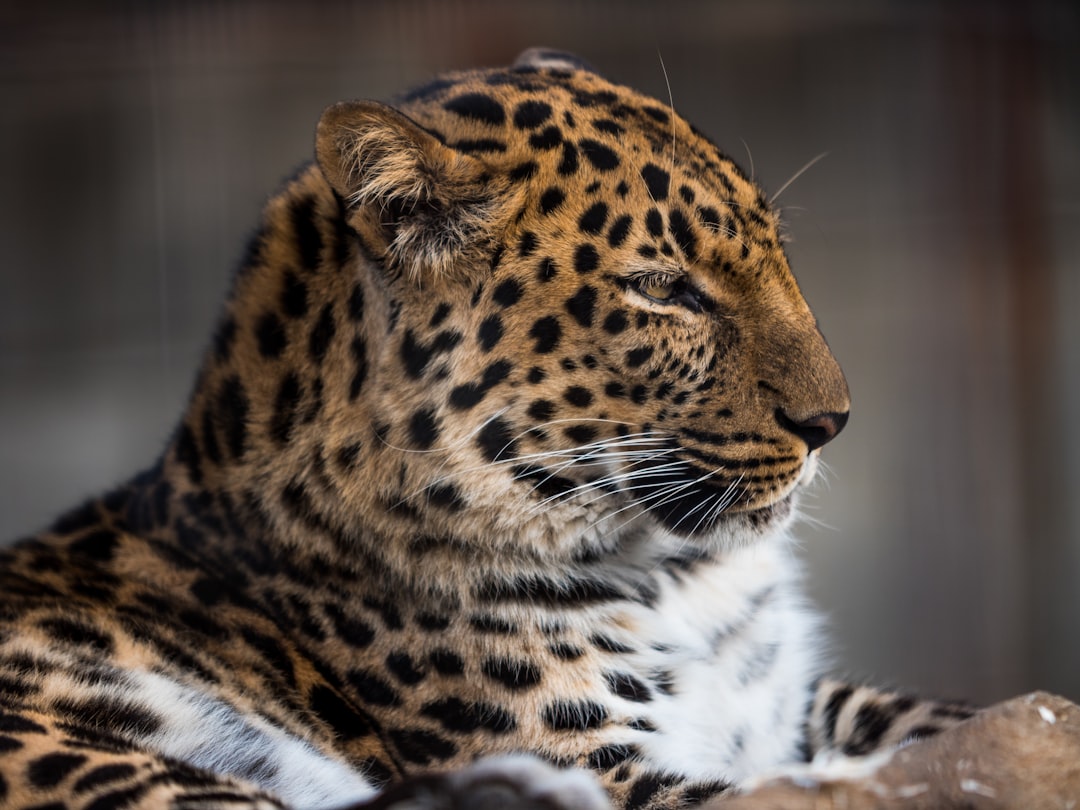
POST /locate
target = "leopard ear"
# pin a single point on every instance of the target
(539, 58)
(425, 206)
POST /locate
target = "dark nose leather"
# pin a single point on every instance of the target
(815, 431)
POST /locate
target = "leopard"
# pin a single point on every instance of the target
(484, 493)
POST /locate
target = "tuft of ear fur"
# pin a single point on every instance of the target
(428, 207)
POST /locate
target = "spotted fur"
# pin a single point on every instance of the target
(494, 453)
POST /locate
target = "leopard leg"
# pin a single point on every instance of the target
(47, 762)
(859, 720)
(78, 731)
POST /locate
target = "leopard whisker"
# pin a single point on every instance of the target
(749, 157)
(666, 495)
(634, 456)
(678, 492)
(583, 451)
(681, 488)
(565, 456)
(620, 478)
(710, 512)
(728, 233)
(590, 454)
(600, 484)
(633, 476)
(671, 106)
(797, 174)
(726, 498)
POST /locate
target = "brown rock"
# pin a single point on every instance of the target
(1023, 753)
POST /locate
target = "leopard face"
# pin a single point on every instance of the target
(549, 315)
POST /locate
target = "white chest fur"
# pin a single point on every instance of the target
(730, 652)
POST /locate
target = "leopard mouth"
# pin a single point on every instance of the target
(691, 506)
(691, 502)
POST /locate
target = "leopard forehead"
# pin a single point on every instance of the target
(596, 150)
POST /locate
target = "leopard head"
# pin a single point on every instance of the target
(552, 314)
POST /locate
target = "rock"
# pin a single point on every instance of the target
(1023, 753)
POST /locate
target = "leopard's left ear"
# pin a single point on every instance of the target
(539, 58)
(426, 206)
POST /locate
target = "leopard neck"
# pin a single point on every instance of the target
(288, 447)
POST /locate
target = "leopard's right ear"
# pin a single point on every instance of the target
(371, 153)
(424, 204)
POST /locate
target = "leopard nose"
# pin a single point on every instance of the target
(815, 430)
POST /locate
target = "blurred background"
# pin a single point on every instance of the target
(938, 243)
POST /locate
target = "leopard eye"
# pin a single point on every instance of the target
(668, 290)
(657, 290)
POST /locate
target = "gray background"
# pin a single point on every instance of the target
(937, 242)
